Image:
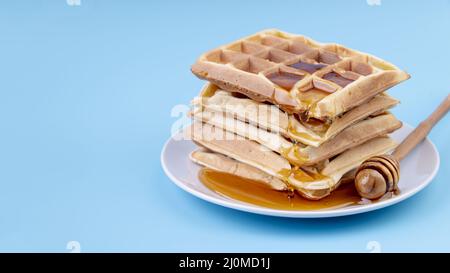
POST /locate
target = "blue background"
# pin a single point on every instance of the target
(85, 99)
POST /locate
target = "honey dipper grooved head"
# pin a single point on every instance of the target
(377, 176)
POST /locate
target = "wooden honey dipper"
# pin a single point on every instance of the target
(380, 174)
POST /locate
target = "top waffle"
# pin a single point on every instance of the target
(298, 74)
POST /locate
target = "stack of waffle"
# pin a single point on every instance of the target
(292, 113)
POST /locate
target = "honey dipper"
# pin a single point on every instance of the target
(380, 174)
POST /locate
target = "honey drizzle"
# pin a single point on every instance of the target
(284, 79)
(311, 96)
(293, 155)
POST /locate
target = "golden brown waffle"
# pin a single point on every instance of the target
(297, 73)
(271, 118)
(221, 163)
(248, 159)
(230, 134)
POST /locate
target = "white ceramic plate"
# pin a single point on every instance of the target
(417, 171)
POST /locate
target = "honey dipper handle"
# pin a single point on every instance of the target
(422, 130)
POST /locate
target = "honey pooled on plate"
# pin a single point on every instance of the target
(256, 193)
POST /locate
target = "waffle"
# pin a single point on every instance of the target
(298, 154)
(330, 176)
(221, 163)
(213, 129)
(238, 148)
(290, 112)
(270, 118)
(298, 74)
(257, 141)
(248, 159)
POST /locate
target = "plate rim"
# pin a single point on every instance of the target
(295, 213)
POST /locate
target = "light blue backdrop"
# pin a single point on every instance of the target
(85, 99)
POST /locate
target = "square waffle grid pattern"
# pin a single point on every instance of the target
(296, 64)
(286, 61)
